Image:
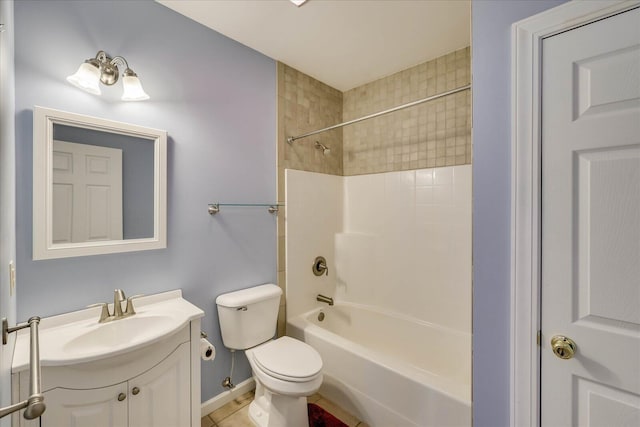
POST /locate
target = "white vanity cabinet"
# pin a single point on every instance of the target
(158, 397)
(98, 407)
(154, 385)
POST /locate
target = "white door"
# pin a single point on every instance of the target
(161, 397)
(98, 407)
(87, 193)
(591, 224)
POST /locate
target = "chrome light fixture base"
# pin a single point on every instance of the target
(107, 72)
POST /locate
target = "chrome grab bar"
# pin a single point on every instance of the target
(34, 404)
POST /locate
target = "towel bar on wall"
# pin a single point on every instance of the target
(34, 404)
(214, 208)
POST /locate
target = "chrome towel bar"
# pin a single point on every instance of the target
(34, 404)
(214, 208)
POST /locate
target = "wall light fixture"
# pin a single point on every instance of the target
(104, 69)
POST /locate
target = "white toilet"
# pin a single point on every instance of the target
(285, 370)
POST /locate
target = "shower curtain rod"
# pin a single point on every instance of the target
(380, 113)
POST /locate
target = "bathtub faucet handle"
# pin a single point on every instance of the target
(323, 266)
(319, 266)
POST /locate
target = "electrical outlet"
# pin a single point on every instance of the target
(12, 278)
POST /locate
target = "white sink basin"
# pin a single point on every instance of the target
(124, 332)
(78, 337)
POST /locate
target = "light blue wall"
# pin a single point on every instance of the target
(215, 97)
(491, 69)
(7, 196)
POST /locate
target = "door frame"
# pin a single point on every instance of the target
(526, 93)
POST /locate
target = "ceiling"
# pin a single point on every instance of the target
(343, 43)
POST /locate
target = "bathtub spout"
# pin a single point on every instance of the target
(323, 298)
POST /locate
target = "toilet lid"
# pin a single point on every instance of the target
(289, 359)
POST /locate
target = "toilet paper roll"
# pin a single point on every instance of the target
(207, 350)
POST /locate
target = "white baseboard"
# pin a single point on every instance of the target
(226, 396)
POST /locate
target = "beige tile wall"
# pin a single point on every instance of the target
(304, 105)
(433, 134)
(436, 133)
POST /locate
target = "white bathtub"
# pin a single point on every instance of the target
(389, 370)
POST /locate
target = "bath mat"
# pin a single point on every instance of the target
(318, 417)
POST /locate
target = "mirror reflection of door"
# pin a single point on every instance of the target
(137, 174)
(87, 193)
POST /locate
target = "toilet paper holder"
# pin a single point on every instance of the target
(207, 350)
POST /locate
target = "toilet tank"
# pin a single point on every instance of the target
(248, 317)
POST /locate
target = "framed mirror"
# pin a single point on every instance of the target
(99, 186)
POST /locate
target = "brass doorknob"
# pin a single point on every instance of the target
(135, 390)
(121, 397)
(563, 347)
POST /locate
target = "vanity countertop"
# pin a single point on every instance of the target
(77, 337)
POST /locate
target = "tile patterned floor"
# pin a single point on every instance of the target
(236, 413)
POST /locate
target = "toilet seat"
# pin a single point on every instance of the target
(288, 359)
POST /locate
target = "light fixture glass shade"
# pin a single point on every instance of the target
(298, 2)
(86, 78)
(132, 90)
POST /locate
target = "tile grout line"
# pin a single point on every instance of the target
(213, 423)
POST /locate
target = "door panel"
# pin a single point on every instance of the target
(62, 213)
(87, 193)
(601, 405)
(609, 196)
(98, 212)
(590, 217)
(607, 82)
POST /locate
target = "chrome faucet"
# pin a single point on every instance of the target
(323, 298)
(118, 298)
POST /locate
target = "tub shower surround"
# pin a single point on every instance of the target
(398, 246)
(434, 134)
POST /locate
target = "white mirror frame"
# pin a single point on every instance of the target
(43, 247)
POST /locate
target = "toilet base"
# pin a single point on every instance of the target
(274, 410)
